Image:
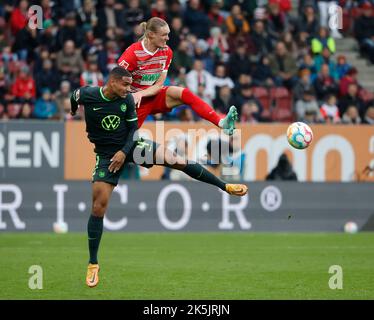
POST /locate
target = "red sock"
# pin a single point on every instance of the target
(198, 105)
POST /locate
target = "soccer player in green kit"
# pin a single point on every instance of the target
(111, 124)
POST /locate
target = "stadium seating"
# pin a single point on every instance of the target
(262, 94)
(282, 110)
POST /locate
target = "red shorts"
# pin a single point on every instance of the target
(152, 105)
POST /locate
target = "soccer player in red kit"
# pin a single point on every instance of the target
(148, 60)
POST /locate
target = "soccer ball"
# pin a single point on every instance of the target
(350, 227)
(299, 135)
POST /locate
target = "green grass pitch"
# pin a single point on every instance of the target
(190, 265)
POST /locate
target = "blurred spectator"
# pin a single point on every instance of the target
(277, 21)
(369, 115)
(26, 111)
(42, 56)
(350, 77)
(364, 31)
(243, 80)
(14, 110)
(308, 63)
(290, 43)
(224, 100)
(220, 79)
(262, 75)
(351, 98)
(215, 16)
(3, 114)
(159, 9)
(111, 16)
(329, 110)
(246, 95)
(323, 40)
(325, 58)
(45, 108)
(196, 20)
(70, 62)
(261, 39)
(249, 112)
(181, 59)
(283, 170)
(24, 86)
(324, 83)
(180, 79)
(238, 63)
(236, 22)
(25, 43)
(134, 14)
(107, 58)
(47, 77)
(198, 77)
(176, 33)
(92, 76)
(3, 83)
(304, 84)
(218, 44)
(342, 67)
(201, 52)
(174, 10)
(19, 17)
(47, 37)
(186, 115)
(307, 24)
(3, 40)
(351, 115)
(87, 14)
(60, 97)
(283, 66)
(307, 104)
(70, 31)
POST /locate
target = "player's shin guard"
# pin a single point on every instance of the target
(198, 172)
(198, 105)
(94, 230)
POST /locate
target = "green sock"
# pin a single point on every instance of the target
(94, 230)
(198, 172)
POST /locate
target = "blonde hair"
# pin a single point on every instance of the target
(152, 25)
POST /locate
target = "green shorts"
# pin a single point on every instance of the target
(141, 153)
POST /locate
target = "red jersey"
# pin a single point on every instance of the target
(145, 66)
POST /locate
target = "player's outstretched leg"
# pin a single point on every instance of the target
(195, 170)
(177, 96)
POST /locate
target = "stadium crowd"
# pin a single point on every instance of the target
(274, 62)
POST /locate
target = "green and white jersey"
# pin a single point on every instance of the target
(108, 122)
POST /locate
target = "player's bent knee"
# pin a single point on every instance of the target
(99, 207)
